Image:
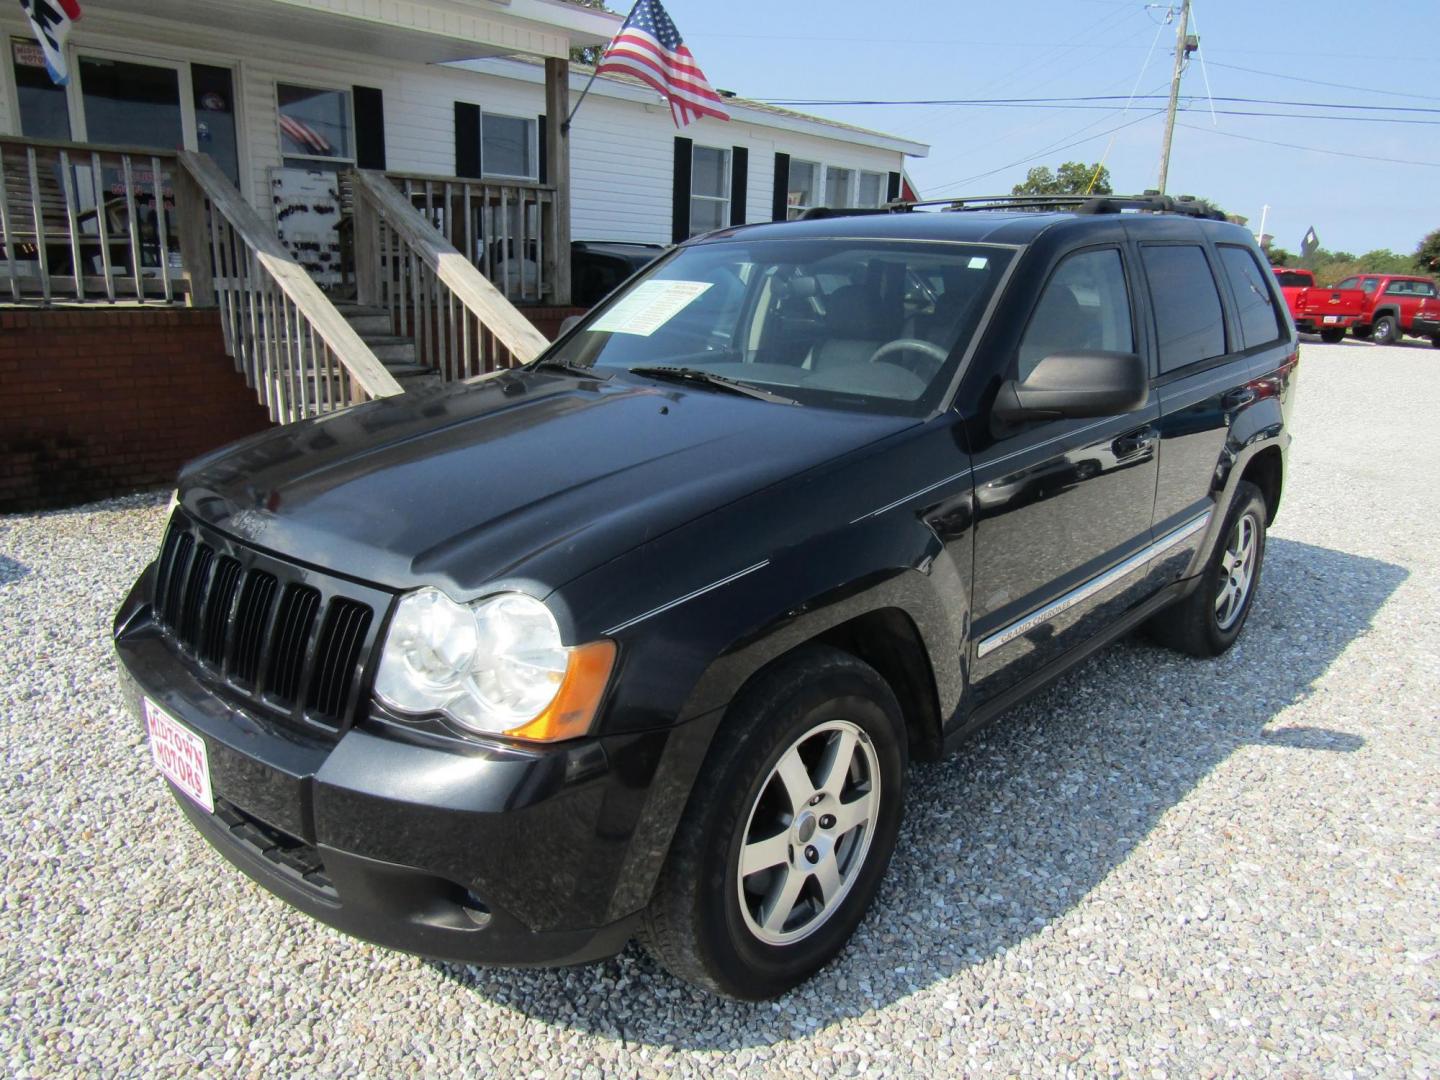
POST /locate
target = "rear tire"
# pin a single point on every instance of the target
(1385, 331)
(1435, 341)
(1332, 335)
(1207, 622)
(788, 832)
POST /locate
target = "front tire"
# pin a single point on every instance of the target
(1385, 331)
(1362, 332)
(1332, 335)
(1207, 622)
(789, 830)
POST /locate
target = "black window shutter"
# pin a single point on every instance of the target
(369, 127)
(739, 180)
(544, 154)
(892, 190)
(467, 140)
(780, 206)
(680, 207)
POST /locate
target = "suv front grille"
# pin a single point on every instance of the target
(292, 640)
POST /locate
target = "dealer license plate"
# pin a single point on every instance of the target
(180, 755)
(1332, 318)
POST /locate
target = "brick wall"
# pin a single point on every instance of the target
(99, 401)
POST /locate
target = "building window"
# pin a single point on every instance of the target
(872, 189)
(314, 126)
(838, 186)
(44, 111)
(709, 189)
(131, 104)
(508, 146)
(804, 186)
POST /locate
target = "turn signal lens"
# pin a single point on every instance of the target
(573, 710)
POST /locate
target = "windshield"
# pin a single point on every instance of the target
(859, 324)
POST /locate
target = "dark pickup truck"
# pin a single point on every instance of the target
(641, 638)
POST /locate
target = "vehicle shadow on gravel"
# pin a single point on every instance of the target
(1013, 832)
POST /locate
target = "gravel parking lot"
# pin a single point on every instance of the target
(1162, 867)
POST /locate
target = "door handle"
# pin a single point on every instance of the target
(1134, 442)
(1236, 399)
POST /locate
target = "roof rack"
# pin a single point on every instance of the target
(1150, 201)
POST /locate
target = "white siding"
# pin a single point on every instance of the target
(622, 157)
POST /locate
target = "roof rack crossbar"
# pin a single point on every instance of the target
(1080, 204)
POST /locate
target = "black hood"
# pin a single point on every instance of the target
(530, 477)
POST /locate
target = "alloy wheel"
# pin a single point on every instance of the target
(808, 832)
(1237, 571)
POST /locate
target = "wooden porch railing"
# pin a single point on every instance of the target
(462, 324)
(506, 228)
(85, 222)
(287, 339)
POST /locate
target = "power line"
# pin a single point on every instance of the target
(1313, 149)
(1044, 101)
(1333, 85)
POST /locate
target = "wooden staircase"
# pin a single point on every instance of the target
(375, 327)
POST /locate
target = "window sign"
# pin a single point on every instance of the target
(44, 113)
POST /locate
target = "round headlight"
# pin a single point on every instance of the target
(491, 666)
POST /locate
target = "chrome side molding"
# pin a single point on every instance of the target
(1096, 584)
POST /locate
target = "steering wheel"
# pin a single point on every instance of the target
(928, 349)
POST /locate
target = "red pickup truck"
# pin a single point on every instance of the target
(1327, 312)
(1396, 304)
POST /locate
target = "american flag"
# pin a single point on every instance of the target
(51, 21)
(649, 48)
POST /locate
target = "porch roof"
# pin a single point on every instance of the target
(423, 31)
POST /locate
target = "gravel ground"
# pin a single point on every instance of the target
(1162, 867)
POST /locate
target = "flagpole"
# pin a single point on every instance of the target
(593, 72)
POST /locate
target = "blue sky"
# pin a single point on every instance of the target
(1068, 48)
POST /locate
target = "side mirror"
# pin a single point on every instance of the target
(570, 322)
(1076, 384)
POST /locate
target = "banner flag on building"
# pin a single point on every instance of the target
(51, 20)
(649, 48)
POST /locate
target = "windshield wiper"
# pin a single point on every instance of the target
(709, 378)
(585, 371)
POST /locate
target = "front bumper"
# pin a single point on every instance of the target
(1425, 327)
(484, 853)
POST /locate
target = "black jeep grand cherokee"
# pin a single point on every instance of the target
(640, 639)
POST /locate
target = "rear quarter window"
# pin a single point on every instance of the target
(1255, 304)
(1189, 318)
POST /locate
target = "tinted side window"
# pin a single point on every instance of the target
(1424, 288)
(1188, 315)
(1259, 321)
(1085, 305)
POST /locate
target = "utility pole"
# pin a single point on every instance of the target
(1181, 51)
